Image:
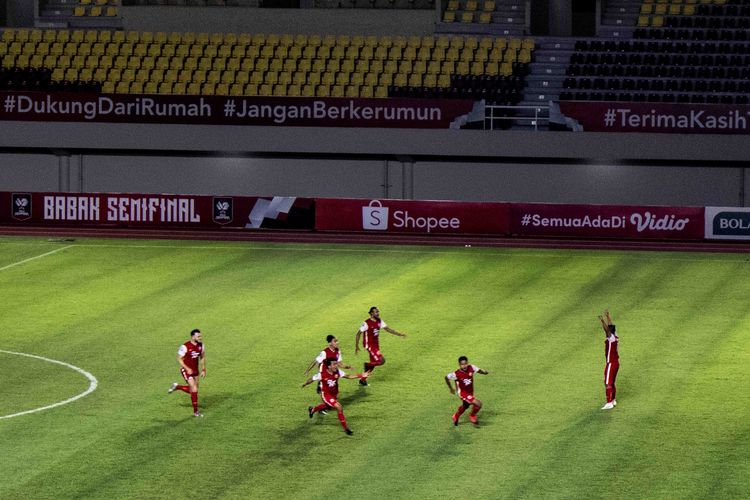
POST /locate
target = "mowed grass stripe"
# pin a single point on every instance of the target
(528, 317)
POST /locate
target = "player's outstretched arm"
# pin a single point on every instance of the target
(203, 365)
(314, 362)
(307, 382)
(450, 386)
(483, 372)
(360, 376)
(394, 332)
(604, 325)
(608, 317)
(356, 342)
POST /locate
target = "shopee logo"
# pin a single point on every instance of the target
(375, 216)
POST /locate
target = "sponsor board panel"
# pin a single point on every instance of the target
(406, 216)
(727, 223)
(608, 221)
(157, 210)
(230, 110)
(654, 117)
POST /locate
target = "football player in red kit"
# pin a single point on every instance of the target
(370, 331)
(464, 382)
(329, 382)
(330, 352)
(612, 359)
(188, 356)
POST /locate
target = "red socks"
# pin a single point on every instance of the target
(475, 409)
(194, 399)
(321, 406)
(183, 388)
(461, 410)
(342, 419)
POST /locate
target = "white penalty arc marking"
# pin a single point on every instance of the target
(93, 383)
(24, 261)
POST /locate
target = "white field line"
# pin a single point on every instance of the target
(505, 252)
(485, 251)
(92, 384)
(24, 261)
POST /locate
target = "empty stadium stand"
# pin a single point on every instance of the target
(268, 65)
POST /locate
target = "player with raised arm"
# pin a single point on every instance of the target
(370, 332)
(612, 359)
(329, 381)
(463, 378)
(188, 356)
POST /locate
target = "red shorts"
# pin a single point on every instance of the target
(186, 376)
(375, 357)
(328, 399)
(610, 373)
(469, 398)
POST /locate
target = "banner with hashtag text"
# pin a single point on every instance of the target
(225, 110)
(656, 117)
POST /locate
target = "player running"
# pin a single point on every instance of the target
(612, 358)
(370, 331)
(463, 379)
(330, 352)
(329, 381)
(188, 355)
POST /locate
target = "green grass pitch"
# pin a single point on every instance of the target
(119, 309)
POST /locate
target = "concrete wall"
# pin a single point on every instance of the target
(335, 177)
(411, 164)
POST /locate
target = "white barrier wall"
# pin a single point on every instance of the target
(357, 178)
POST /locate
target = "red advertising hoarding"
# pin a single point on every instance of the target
(231, 110)
(403, 216)
(655, 117)
(156, 210)
(608, 221)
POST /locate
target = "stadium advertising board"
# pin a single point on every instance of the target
(404, 216)
(156, 210)
(230, 110)
(727, 223)
(654, 117)
(607, 221)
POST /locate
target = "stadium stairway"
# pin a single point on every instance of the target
(619, 18)
(544, 81)
(508, 19)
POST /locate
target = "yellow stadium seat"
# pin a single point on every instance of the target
(222, 89)
(108, 88)
(485, 18)
(381, 91)
(251, 89)
(151, 87)
(429, 81)
(488, 5)
(471, 5)
(452, 5)
(449, 16)
(366, 91)
(79, 11)
(657, 21)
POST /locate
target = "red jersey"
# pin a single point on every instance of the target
(610, 349)
(371, 328)
(465, 380)
(190, 354)
(329, 382)
(328, 353)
